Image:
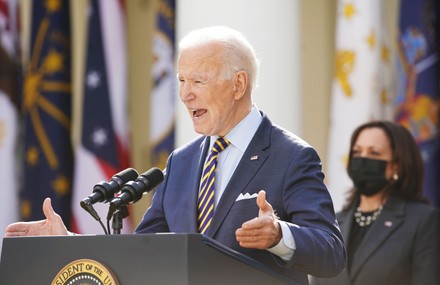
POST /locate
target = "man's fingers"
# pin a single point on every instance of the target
(16, 229)
(253, 238)
(15, 233)
(21, 228)
(257, 223)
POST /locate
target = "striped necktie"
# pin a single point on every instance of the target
(205, 210)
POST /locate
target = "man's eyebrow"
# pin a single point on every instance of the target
(194, 76)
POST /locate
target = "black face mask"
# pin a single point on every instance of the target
(368, 175)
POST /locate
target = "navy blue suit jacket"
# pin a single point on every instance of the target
(288, 169)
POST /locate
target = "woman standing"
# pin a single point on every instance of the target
(392, 236)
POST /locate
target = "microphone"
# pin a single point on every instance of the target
(105, 191)
(133, 190)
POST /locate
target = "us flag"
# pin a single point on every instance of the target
(102, 150)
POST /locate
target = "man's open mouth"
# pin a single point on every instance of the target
(198, 113)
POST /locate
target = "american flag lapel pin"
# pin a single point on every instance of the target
(254, 157)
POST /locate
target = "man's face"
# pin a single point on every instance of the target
(208, 97)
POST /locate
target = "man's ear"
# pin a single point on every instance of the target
(240, 84)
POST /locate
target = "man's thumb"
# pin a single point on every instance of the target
(47, 209)
(265, 207)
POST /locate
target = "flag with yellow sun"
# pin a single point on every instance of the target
(46, 109)
(362, 85)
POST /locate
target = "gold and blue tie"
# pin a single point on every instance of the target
(205, 210)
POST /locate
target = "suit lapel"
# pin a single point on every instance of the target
(388, 221)
(245, 171)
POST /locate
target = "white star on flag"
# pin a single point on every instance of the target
(99, 137)
(93, 79)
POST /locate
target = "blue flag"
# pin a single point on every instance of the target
(46, 108)
(418, 90)
(163, 98)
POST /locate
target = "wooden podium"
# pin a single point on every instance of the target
(133, 259)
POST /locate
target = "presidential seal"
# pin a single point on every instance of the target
(85, 272)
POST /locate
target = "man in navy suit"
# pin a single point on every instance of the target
(270, 202)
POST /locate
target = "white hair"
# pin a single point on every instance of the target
(239, 55)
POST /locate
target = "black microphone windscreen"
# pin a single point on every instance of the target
(126, 175)
(154, 176)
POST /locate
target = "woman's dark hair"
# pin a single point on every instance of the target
(405, 154)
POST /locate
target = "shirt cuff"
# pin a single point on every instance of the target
(286, 247)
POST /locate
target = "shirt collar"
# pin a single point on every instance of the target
(241, 135)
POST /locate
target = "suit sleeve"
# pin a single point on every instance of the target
(310, 215)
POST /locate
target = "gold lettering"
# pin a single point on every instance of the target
(98, 271)
(107, 281)
(76, 268)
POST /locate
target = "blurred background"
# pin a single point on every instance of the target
(88, 88)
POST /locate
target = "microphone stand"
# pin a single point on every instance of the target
(118, 216)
